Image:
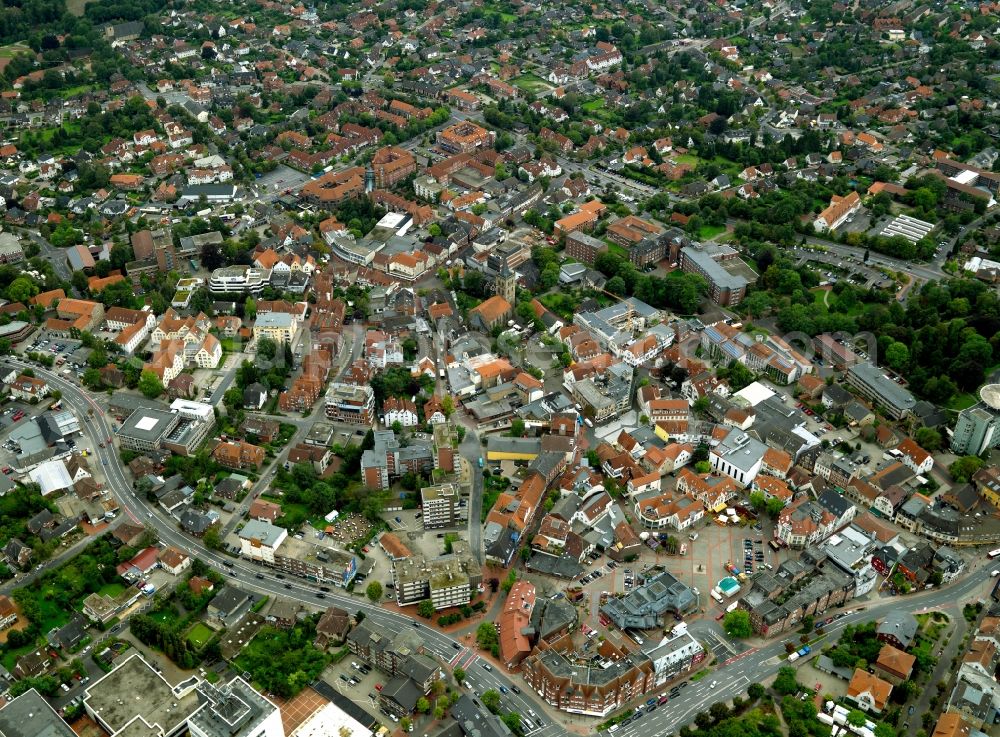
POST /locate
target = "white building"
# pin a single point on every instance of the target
(738, 455)
(259, 540)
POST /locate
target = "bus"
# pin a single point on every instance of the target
(993, 553)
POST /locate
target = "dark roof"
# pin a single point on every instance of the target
(834, 503)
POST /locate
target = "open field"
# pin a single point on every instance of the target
(531, 83)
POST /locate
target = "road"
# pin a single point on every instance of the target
(728, 680)
(260, 578)
(55, 256)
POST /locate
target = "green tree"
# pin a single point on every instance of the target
(513, 721)
(150, 384)
(737, 623)
(786, 683)
(517, 428)
(856, 718)
(486, 637)
(897, 355)
(774, 507)
(459, 674)
(756, 691)
(250, 309)
(405, 723)
(426, 608)
(758, 501)
(22, 289)
(423, 705)
(963, 469)
(928, 438)
(491, 700)
(374, 592)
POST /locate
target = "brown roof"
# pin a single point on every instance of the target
(394, 547)
(895, 661)
(492, 309)
(864, 681)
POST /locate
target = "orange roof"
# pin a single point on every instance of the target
(45, 299)
(863, 681)
(393, 546)
(514, 620)
(895, 661)
(492, 309)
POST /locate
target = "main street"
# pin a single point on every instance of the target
(726, 681)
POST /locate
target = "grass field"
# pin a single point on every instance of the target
(199, 635)
(531, 83)
(75, 7)
(164, 616)
(112, 590)
(705, 232)
(962, 401)
(592, 106)
(11, 50)
(687, 159)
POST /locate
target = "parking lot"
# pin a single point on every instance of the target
(357, 680)
(702, 567)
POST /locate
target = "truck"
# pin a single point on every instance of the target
(805, 650)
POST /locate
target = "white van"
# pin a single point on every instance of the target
(693, 536)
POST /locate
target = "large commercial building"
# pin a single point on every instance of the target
(725, 288)
(978, 428)
(581, 687)
(439, 504)
(646, 607)
(239, 280)
(389, 459)
(29, 715)
(448, 581)
(606, 395)
(147, 429)
(260, 540)
(879, 389)
(354, 405)
(777, 601)
(135, 699)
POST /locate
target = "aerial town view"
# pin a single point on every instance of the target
(499, 368)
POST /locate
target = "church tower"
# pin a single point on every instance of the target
(505, 284)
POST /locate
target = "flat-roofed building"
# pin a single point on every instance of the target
(876, 387)
(135, 699)
(146, 429)
(439, 505)
(354, 405)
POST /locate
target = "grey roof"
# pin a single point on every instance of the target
(900, 624)
(645, 606)
(476, 722)
(834, 503)
(147, 424)
(885, 388)
(29, 715)
(716, 273)
(230, 710)
(262, 530)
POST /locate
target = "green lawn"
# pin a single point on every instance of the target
(199, 635)
(705, 232)
(592, 106)
(687, 159)
(961, 401)
(165, 616)
(112, 590)
(819, 302)
(11, 50)
(531, 83)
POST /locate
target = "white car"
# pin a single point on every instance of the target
(995, 573)
(713, 684)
